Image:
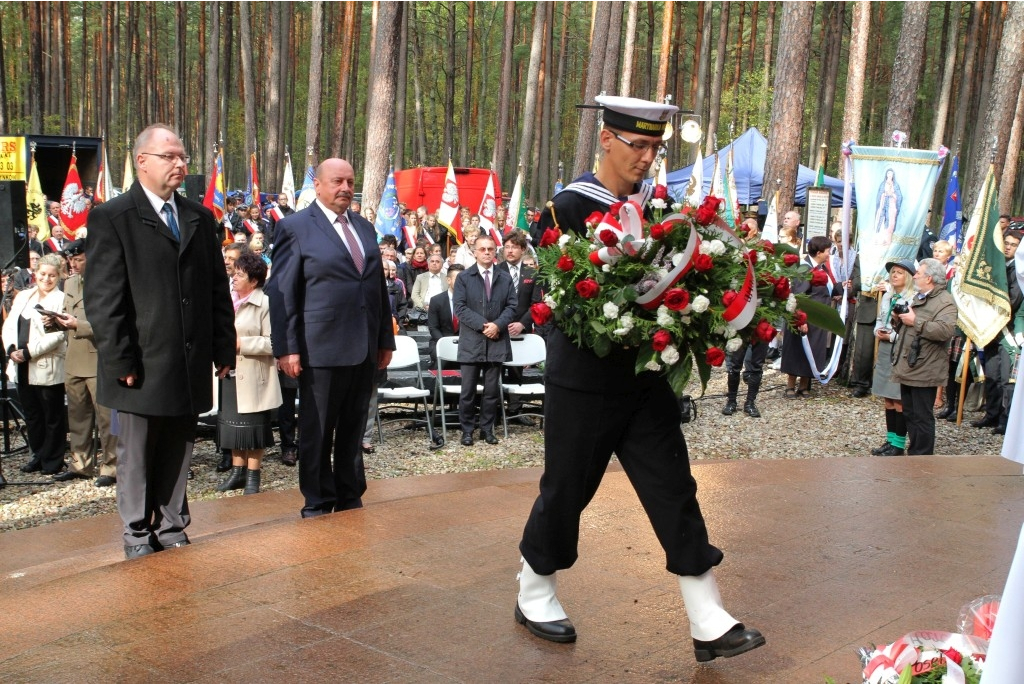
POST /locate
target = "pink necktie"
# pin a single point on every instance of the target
(354, 248)
(487, 284)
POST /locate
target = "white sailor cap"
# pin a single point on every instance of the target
(635, 115)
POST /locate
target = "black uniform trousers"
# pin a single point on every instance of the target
(919, 413)
(332, 417)
(642, 428)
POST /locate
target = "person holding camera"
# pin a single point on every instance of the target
(895, 301)
(920, 360)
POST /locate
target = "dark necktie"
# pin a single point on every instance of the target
(515, 277)
(354, 248)
(487, 284)
(172, 223)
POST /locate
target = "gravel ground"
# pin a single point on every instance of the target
(829, 424)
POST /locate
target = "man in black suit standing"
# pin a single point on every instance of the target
(441, 321)
(331, 329)
(527, 293)
(484, 302)
(162, 318)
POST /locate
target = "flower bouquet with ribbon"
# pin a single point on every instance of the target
(684, 289)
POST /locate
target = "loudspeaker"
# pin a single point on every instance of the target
(195, 187)
(13, 220)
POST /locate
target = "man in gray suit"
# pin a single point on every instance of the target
(485, 305)
(162, 319)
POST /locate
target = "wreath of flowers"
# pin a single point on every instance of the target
(684, 289)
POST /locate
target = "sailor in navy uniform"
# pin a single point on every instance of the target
(598, 406)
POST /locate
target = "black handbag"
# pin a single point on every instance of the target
(417, 317)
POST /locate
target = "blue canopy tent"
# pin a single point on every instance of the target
(749, 151)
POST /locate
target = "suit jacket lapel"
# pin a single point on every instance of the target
(188, 223)
(327, 228)
(148, 216)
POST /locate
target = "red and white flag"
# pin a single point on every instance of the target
(103, 185)
(73, 210)
(275, 213)
(448, 212)
(488, 211)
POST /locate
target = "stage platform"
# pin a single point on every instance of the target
(821, 555)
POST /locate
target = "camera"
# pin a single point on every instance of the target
(900, 308)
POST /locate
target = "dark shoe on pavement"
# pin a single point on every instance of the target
(32, 466)
(985, 422)
(891, 451)
(136, 551)
(524, 421)
(944, 413)
(999, 430)
(952, 417)
(736, 641)
(225, 462)
(730, 408)
(290, 457)
(881, 449)
(488, 437)
(750, 409)
(105, 481)
(234, 481)
(860, 392)
(467, 439)
(555, 631)
(252, 482)
(69, 475)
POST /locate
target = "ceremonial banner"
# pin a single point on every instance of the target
(73, 208)
(695, 188)
(732, 204)
(515, 215)
(487, 213)
(288, 182)
(979, 284)
(952, 213)
(388, 221)
(894, 189)
(717, 187)
(214, 199)
(129, 173)
(771, 221)
(308, 191)
(35, 203)
(448, 212)
(252, 188)
(103, 184)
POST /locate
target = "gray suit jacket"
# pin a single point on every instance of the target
(474, 310)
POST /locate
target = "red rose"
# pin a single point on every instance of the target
(953, 655)
(594, 219)
(608, 237)
(703, 262)
(818, 278)
(588, 288)
(764, 279)
(729, 296)
(705, 216)
(540, 312)
(790, 259)
(799, 318)
(660, 192)
(657, 231)
(614, 209)
(765, 332)
(768, 246)
(715, 356)
(661, 340)
(712, 202)
(565, 263)
(782, 288)
(550, 237)
(677, 299)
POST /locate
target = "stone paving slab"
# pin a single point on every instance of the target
(822, 555)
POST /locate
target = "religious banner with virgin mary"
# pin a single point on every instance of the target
(894, 192)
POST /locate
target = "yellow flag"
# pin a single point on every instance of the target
(35, 202)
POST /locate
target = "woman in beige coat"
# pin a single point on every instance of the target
(36, 355)
(252, 390)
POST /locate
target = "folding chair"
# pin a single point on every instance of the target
(528, 350)
(446, 382)
(406, 356)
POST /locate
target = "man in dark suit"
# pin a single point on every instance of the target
(331, 329)
(528, 293)
(440, 321)
(162, 318)
(484, 302)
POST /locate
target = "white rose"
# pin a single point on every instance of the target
(705, 248)
(658, 203)
(664, 317)
(652, 366)
(685, 320)
(607, 268)
(670, 355)
(563, 240)
(550, 301)
(732, 332)
(733, 344)
(791, 303)
(700, 304)
(717, 247)
(677, 207)
(610, 309)
(626, 322)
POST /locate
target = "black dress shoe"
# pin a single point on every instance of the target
(32, 466)
(878, 451)
(105, 481)
(289, 458)
(489, 437)
(861, 392)
(555, 631)
(985, 423)
(945, 413)
(736, 641)
(225, 463)
(730, 408)
(952, 417)
(524, 421)
(136, 551)
(750, 409)
(59, 472)
(891, 451)
(999, 430)
(69, 475)
(467, 439)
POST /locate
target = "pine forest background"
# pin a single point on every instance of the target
(497, 84)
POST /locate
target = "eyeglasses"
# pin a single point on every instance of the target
(169, 158)
(642, 148)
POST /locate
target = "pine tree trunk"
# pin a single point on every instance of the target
(1001, 105)
(467, 87)
(400, 89)
(269, 167)
(352, 99)
(4, 116)
(35, 65)
(610, 66)
(711, 143)
(449, 82)
(504, 92)
(700, 104)
(380, 124)
(556, 124)
(180, 46)
(966, 80)
(769, 35)
(738, 60)
(421, 129)
(980, 146)
(227, 52)
(531, 95)
(948, 68)
(626, 84)
(316, 66)
(586, 134)
(546, 83)
(666, 47)
(783, 154)
(348, 38)
(248, 79)
(833, 23)
(1011, 165)
(208, 143)
(853, 103)
(906, 69)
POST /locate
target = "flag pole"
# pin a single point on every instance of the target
(963, 382)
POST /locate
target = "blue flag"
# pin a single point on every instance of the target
(388, 222)
(952, 215)
(308, 192)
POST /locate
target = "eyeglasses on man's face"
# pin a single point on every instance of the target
(169, 158)
(641, 148)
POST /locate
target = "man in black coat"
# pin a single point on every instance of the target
(162, 319)
(484, 302)
(331, 329)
